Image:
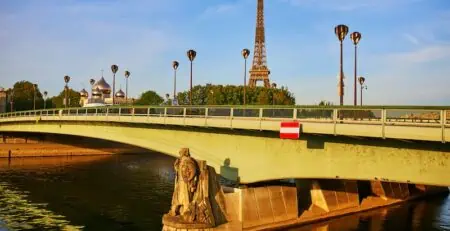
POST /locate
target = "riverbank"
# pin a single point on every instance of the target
(44, 150)
(39, 145)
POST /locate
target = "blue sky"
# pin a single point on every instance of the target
(404, 52)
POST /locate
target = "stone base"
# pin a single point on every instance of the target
(177, 223)
(268, 204)
(390, 190)
(331, 195)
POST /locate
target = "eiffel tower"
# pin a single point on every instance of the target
(259, 70)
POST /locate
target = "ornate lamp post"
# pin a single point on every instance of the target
(45, 99)
(66, 80)
(127, 75)
(361, 82)
(355, 37)
(34, 96)
(245, 54)
(191, 54)
(175, 66)
(11, 99)
(114, 69)
(341, 31)
(274, 86)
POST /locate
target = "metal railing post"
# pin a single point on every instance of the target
(294, 113)
(231, 117)
(443, 122)
(335, 117)
(383, 123)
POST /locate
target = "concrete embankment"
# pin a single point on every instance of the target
(18, 145)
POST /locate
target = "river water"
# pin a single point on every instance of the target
(131, 192)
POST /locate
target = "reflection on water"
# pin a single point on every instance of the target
(132, 192)
(18, 213)
(129, 192)
(430, 214)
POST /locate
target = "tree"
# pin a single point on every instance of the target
(149, 98)
(233, 95)
(72, 96)
(24, 94)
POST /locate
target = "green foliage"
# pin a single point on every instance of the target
(24, 94)
(58, 101)
(149, 98)
(234, 95)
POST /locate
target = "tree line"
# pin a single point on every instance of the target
(23, 93)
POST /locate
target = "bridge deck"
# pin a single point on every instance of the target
(397, 123)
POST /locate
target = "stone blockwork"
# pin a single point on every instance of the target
(331, 195)
(390, 190)
(268, 204)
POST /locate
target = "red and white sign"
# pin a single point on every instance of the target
(290, 130)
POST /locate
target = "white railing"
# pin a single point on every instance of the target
(314, 119)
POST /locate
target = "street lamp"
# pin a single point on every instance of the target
(355, 37)
(114, 69)
(127, 75)
(361, 82)
(191, 55)
(45, 99)
(66, 80)
(34, 96)
(175, 66)
(11, 98)
(274, 86)
(245, 54)
(341, 31)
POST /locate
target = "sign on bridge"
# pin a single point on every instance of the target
(290, 130)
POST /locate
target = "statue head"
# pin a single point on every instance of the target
(184, 152)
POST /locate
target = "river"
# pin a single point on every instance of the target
(131, 192)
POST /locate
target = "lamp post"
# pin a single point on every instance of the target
(114, 69)
(191, 55)
(175, 66)
(127, 75)
(274, 86)
(34, 96)
(66, 80)
(245, 54)
(45, 99)
(361, 82)
(355, 37)
(341, 31)
(11, 99)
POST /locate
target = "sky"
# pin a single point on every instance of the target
(404, 53)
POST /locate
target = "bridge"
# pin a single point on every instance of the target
(400, 144)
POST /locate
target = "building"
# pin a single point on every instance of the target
(101, 93)
(3, 100)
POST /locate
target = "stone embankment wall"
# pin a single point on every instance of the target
(26, 145)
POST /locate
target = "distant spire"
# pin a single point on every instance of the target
(101, 71)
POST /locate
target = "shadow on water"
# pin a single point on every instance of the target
(129, 192)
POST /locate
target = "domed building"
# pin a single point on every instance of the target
(84, 95)
(3, 97)
(104, 87)
(120, 94)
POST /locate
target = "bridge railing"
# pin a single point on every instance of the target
(400, 115)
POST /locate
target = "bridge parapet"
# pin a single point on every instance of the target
(415, 123)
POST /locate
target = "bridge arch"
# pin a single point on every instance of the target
(255, 158)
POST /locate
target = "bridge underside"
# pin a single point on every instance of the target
(261, 156)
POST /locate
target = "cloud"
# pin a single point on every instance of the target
(219, 9)
(412, 39)
(349, 5)
(423, 55)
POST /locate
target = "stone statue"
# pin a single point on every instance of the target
(192, 205)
